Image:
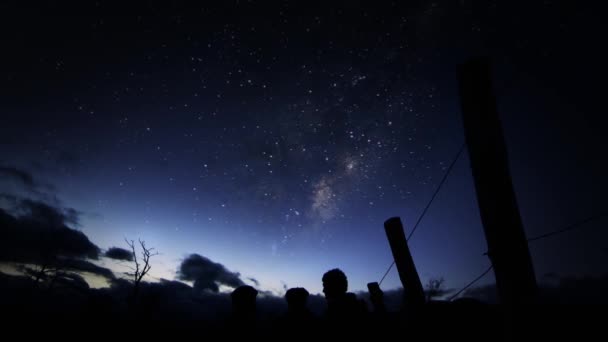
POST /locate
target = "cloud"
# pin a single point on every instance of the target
(34, 231)
(22, 177)
(206, 274)
(253, 280)
(46, 214)
(118, 253)
(41, 232)
(72, 279)
(79, 265)
(66, 268)
(24, 180)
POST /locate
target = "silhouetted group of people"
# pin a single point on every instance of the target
(343, 307)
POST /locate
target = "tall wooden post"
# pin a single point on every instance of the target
(414, 294)
(507, 244)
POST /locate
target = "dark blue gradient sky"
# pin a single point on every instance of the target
(277, 138)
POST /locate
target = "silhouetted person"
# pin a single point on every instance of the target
(243, 301)
(297, 299)
(342, 307)
(243, 307)
(298, 317)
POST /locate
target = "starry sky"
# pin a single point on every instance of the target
(277, 137)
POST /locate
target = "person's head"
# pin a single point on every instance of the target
(296, 298)
(335, 283)
(243, 299)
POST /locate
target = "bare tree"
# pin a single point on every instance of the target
(42, 272)
(141, 266)
(47, 265)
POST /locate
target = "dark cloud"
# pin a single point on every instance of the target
(80, 266)
(48, 215)
(73, 280)
(22, 177)
(8, 200)
(118, 253)
(255, 281)
(37, 232)
(206, 274)
(65, 268)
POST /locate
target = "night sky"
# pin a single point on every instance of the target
(277, 138)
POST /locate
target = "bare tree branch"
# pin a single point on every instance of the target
(135, 261)
(142, 266)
